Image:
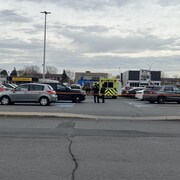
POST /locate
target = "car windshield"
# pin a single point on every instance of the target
(75, 87)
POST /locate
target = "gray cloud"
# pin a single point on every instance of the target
(10, 16)
(98, 43)
(94, 4)
(169, 2)
(79, 40)
(17, 52)
(17, 43)
(88, 29)
(85, 4)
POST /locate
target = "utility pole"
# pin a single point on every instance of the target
(44, 53)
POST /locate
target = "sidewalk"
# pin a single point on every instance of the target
(84, 116)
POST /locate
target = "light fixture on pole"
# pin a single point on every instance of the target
(150, 66)
(44, 53)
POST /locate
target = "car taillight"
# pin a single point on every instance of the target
(51, 92)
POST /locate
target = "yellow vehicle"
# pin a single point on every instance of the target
(111, 85)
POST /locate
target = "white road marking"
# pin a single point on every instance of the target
(140, 104)
(66, 105)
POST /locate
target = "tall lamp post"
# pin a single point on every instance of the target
(44, 53)
(150, 66)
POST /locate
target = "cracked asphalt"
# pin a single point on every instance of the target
(73, 158)
(78, 149)
(86, 141)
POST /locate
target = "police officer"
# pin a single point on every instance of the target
(102, 93)
(96, 93)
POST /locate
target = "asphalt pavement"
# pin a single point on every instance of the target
(117, 109)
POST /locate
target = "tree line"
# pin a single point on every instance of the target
(33, 71)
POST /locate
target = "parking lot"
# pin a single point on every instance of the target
(120, 107)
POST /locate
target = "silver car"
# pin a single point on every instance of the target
(29, 92)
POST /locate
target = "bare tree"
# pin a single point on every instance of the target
(164, 75)
(175, 76)
(70, 74)
(29, 71)
(51, 70)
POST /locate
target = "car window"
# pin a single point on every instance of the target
(75, 87)
(35, 87)
(50, 88)
(156, 88)
(176, 89)
(24, 87)
(61, 87)
(169, 88)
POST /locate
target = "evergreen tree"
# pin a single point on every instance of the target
(13, 73)
(4, 73)
(64, 77)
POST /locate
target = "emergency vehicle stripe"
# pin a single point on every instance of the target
(110, 92)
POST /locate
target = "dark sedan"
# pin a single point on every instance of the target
(65, 93)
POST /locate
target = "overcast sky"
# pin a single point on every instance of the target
(97, 35)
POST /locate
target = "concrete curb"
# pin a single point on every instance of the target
(84, 116)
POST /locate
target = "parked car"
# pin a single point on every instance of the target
(29, 92)
(139, 95)
(162, 94)
(125, 90)
(9, 86)
(65, 93)
(2, 88)
(75, 86)
(132, 92)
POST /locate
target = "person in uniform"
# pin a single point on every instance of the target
(96, 93)
(102, 91)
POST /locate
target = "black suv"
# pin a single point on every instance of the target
(65, 93)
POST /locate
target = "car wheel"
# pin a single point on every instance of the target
(151, 101)
(161, 100)
(5, 100)
(76, 99)
(178, 102)
(44, 101)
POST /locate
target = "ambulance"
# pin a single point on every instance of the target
(112, 86)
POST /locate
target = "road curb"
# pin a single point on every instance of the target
(85, 116)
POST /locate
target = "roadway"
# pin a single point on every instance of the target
(68, 149)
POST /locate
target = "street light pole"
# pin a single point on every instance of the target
(150, 66)
(44, 53)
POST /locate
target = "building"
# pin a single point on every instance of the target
(88, 78)
(143, 77)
